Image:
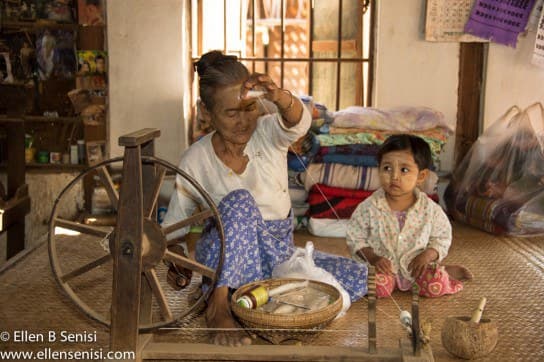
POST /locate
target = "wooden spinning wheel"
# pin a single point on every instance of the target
(136, 244)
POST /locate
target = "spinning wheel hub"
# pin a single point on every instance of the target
(153, 244)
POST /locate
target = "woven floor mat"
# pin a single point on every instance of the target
(508, 271)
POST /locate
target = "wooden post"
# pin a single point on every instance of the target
(127, 253)
(15, 179)
(471, 68)
(148, 177)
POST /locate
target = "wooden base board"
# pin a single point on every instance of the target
(149, 349)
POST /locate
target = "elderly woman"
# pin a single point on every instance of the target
(243, 166)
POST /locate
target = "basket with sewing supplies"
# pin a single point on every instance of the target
(470, 337)
(279, 310)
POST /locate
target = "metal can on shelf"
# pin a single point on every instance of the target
(42, 157)
(81, 151)
(30, 154)
(55, 157)
(73, 155)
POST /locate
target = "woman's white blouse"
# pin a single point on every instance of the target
(265, 176)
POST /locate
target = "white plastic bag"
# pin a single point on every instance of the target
(301, 265)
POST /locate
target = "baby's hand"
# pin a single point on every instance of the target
(383, 265)
(418, 265)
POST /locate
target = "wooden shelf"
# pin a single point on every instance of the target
(54, 166)
(22, 119)
(52, 119)
(49, 167)
(36, 24)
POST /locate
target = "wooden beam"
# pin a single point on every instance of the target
(139, 137)
(471, 68)
(15, 179)
(127, 255)
(209, 352)
(349, 45)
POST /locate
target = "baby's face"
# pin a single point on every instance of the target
(399, 173)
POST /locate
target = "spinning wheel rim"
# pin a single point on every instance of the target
(68, 290)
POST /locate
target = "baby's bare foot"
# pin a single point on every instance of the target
(459, 272)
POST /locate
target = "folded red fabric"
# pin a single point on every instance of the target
(344, 201)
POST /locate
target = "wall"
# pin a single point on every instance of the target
(147, 70)
(146, 78)
(411, 71)
(511, 78)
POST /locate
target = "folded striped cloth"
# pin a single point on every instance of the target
(353, 160)
(345, 176)
(353, 177)
(355, 149)
(344, 201)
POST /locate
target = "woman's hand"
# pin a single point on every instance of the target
(262, 82)
(289, 107)
(418, 265)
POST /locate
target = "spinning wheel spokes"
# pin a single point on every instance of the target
(153, 279)
(105, 177)
(151, 202)
(80, 251)
(85, 268)
(82, 228)
(201, 216)
(190, 264)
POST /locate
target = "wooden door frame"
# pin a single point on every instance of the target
(470, 97)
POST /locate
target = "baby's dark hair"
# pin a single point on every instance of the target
(417, 145)
(217, 70)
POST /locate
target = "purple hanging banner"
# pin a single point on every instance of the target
(500, 21)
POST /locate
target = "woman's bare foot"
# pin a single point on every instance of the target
(458, 272)
(219, 315)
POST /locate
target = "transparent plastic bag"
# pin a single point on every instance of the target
(301, 265)
(499, 184)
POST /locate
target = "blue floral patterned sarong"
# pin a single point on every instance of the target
(254, 246)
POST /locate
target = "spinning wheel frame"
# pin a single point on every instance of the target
(154, 243)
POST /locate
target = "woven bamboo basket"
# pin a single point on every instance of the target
(287, 324)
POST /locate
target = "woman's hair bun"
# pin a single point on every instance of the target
(212, 59)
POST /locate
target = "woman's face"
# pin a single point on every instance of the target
(233, 118)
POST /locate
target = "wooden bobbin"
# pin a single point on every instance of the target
(416, 341)
(371, 309)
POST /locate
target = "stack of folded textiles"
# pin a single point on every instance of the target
(299, 157)
(344, 170)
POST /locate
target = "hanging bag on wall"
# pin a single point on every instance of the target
(499, 184)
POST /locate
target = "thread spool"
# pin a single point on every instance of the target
(253, 298)
(406, 320)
